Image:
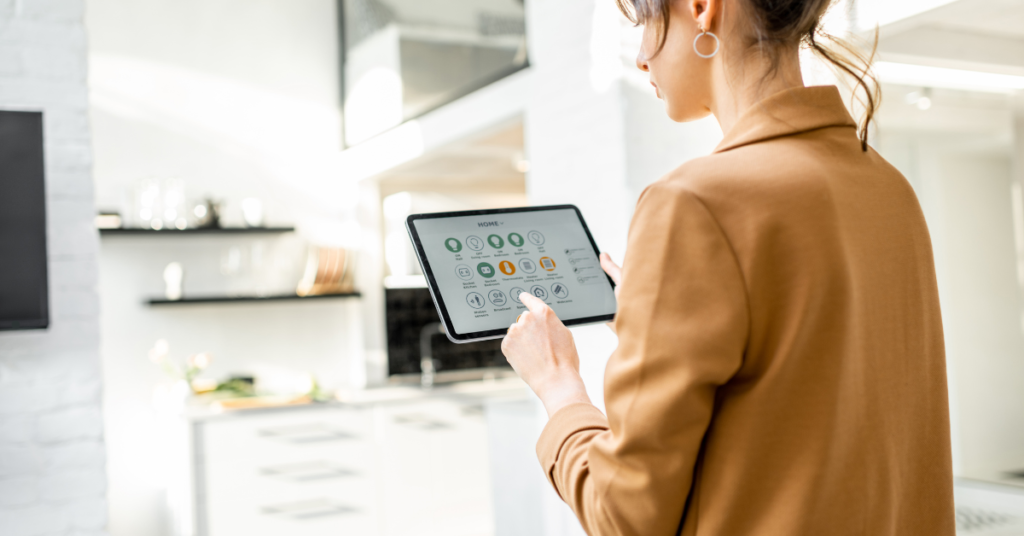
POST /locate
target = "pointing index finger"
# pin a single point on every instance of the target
(533, 303)
(612, 269)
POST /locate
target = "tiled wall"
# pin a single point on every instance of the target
(52, 476)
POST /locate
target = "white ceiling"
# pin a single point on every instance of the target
(994, 18)
(971, 35)
(974, 118)
(985, 35)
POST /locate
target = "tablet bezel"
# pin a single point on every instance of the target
(435, 293)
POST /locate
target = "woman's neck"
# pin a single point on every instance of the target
(738, 87)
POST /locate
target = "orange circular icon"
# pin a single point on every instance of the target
(547, 263)
(507, 267)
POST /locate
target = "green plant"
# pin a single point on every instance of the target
(236, 387)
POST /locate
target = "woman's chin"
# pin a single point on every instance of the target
(685, 114)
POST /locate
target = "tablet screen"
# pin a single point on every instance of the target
(481, 263)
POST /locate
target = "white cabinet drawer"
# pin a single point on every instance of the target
(290, 499)
(303, 471)
(289, 437)
(267, 497)
(286, 481)
(395, 469)
(312, 516)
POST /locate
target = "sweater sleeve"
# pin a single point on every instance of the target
(682, 323)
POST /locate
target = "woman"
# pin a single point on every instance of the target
(780, 368)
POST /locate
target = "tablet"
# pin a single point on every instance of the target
(477, 263)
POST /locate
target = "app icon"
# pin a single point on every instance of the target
(475, 300)
(535, 237)
(539, 292)
(559, 290)
(485, 269)
(547, 263)
(507, 267)
(496, 241)
(464, 271)
(497, 297)
(515, 294)
(528, 266)
(474, 242)
(453, 245)
(515, 239)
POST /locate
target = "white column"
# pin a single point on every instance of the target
(595, 136)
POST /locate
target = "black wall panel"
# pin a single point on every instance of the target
(23, 275)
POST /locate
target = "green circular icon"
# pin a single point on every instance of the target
(453, 245)
(496, 241)
(485, 269)
(515, 239)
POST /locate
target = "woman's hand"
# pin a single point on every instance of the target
(541, 350)
(613, 270)
(615, 273)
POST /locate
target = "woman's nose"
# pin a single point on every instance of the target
(641, 61)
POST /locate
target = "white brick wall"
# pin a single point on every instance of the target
(52, 460)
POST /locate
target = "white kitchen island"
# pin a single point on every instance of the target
(386, 461)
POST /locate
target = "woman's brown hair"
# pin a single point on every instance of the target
(776, 25)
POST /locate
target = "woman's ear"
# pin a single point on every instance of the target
(703, 12)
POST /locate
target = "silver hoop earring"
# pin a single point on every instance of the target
(702, 34)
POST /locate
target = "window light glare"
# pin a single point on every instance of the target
(941, 77)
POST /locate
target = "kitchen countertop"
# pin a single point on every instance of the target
(511, 387)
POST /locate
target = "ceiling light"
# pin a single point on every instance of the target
(922, 75)
(921, 99)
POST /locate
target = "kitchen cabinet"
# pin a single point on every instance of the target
(434, 469)
(415, 466)
(309, 471)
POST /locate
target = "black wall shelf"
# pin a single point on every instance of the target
(217, 231)
(193, 300)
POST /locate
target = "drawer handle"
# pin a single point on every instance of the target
(306, 433)
(421, 421)
(306, 471)
(309, 509)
